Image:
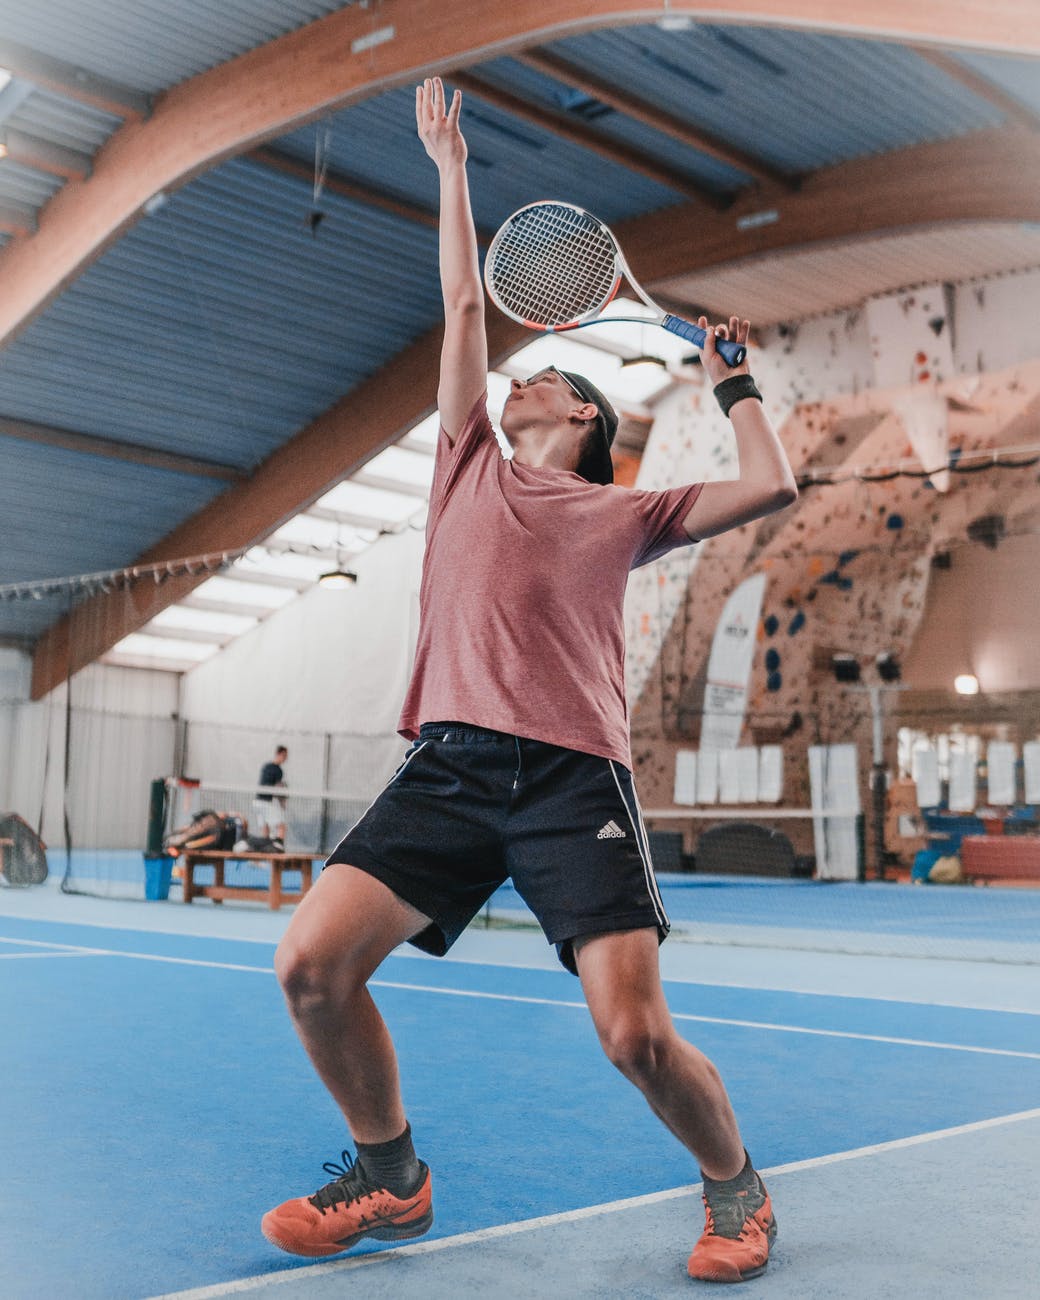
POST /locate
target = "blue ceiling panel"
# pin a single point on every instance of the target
(1017, 77)
(220, 325)
(799, 100)
(510, 162)
(99, 513)
(63, 121)
(23, 185)
(152, 44)
(547, 92)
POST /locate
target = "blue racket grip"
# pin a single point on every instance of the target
(732, 353)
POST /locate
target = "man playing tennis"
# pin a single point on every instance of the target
(520, 764)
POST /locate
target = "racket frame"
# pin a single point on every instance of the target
(734, 353)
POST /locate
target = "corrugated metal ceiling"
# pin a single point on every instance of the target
(220, 326)
(152, 44)
(814, 281)
(798, 99)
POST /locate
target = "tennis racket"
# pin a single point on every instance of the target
(553, 266)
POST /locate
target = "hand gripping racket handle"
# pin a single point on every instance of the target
(732, 353)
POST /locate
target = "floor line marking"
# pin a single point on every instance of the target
(559, 1002)
(450, 959)
(144, 956)
(572, 1216)
(11, 956)
(720, 1020)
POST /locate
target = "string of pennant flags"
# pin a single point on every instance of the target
(958, 462)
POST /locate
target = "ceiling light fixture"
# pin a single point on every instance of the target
(337, 579)
(644, 359)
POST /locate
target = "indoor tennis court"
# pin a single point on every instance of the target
(256, 538)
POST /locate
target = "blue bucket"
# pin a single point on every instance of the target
(158, 872)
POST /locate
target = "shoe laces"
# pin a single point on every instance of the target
(729, 1211)
(348, 1184)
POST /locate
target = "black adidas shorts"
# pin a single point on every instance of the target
(469, 808)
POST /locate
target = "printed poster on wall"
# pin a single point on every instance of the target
(729, 666)
(1031, 770)
(685, 776)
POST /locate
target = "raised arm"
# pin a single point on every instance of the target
(766, 483)
(464, 359)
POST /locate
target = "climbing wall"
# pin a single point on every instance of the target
(848, 565)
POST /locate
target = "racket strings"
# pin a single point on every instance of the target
(552, 264)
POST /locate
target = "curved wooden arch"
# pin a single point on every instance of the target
(357, 52)
(891, 192)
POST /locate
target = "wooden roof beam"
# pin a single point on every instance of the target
(551, 65)
(92, 445)
(43, 156)
(315, 70)
(985, 176)
(292, 478)
(72, 82)
(566, 128)
(981, 86)
(16, 218)
(337, 182)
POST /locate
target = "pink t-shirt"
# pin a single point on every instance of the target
(521, 623)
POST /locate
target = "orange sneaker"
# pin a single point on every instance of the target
(738, 1232)
(339, 1214)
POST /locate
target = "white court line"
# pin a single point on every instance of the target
(12, 956)
(559, 1002)
(571, 1216)
(451, 960)
(720, 1020)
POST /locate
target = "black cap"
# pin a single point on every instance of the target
(596, 465)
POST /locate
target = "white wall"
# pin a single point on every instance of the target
(330, 663)
(122, 735)
(981, 617)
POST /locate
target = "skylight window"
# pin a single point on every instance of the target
(568, 354)
(226, 591)
(307, 530)
(409, 467)
(642, 338)
(306, 568)
(203, 620)
(374, 503)
(425, 432)
(168, 649)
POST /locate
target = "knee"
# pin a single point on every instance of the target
(309, 983)
(636, 1047)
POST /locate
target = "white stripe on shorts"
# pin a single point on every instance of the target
(644, 852)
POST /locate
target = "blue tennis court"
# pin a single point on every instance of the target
(157, 1103)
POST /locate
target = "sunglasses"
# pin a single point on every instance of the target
(551, 370)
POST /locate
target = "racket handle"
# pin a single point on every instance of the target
(732, 353)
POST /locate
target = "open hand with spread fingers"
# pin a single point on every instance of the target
(438, 126)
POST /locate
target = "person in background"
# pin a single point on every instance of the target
(269, 809)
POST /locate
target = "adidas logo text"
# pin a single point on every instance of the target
(612, 831)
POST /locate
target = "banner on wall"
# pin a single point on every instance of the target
(729, 666)
(834, 783)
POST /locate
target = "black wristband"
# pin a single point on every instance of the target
(733, 390)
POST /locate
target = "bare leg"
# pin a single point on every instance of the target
(340, 933)
(621, 978)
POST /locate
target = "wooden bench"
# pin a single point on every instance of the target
(1001, 857)
(273, 895)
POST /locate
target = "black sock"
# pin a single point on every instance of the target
(746, 1179)
(393, 1165)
